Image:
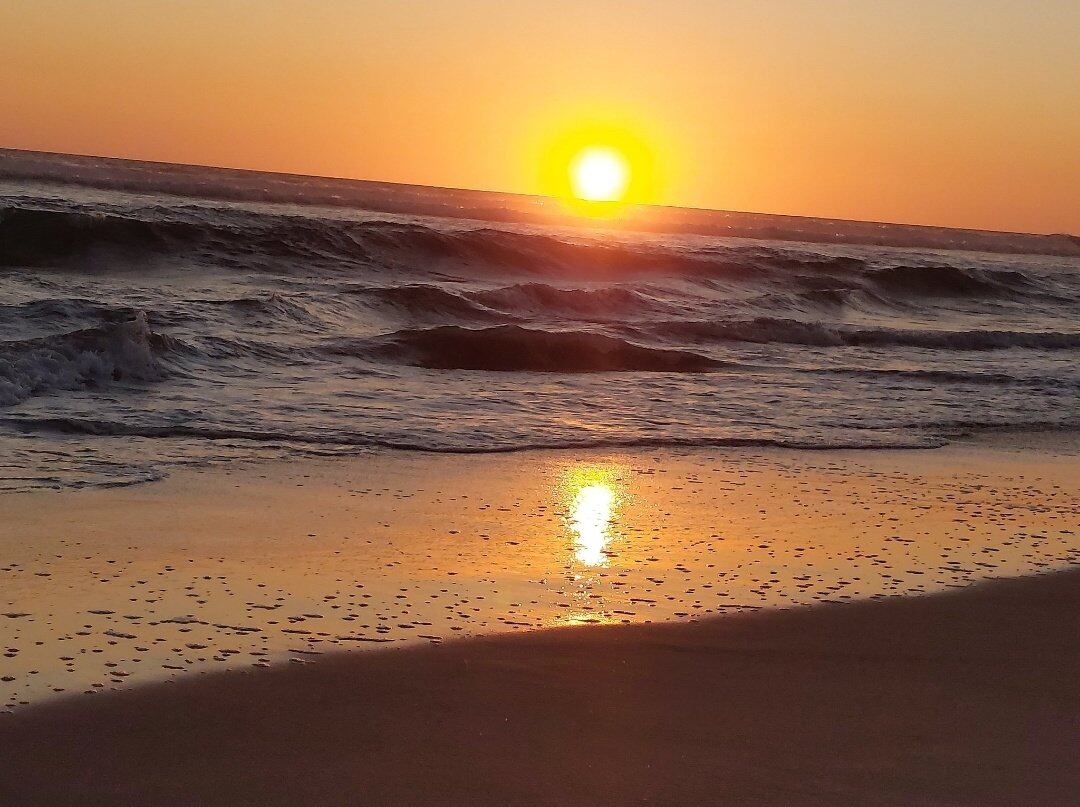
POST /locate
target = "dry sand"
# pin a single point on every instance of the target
(963, 698)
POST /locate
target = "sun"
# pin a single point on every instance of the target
(599, 174)
(598, 170)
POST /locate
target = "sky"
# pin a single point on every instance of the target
(963, 113)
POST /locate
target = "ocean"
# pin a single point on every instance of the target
(148, 324)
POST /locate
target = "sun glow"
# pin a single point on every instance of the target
(599, 174)
(599, 170)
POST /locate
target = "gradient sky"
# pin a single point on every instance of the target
(962, 113)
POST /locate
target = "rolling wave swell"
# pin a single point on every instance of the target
(44, 238)
(769, 330)
(126, 322)
(510, 348)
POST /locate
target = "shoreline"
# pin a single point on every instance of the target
(1049, 443)
(966, 697)
(1055, 441)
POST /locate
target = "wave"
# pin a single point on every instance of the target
(46, 237)
(484, 249)
(52, 310)
(290, 243)
(420, 300)
(952, 281)
(257, 311)
(991, 379)
(765, 330)
(92, 357)
(534, 298)
(510, 348)
(101, 428)
(512, 303)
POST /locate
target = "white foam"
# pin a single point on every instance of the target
(77, 360)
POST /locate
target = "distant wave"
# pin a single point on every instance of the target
(951, 281)
(516, 302)
(51, 311)
(83, 359)
(42, 238)
(950, 377)
(294, 243)
(508, 348)
(421, 300)
(764, 330)
(533, 298)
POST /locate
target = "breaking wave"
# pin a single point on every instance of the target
(93, 357)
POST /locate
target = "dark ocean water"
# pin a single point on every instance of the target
(139, 331)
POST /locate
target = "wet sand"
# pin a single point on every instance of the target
(205, 619)
(106, 589)
(970, 697)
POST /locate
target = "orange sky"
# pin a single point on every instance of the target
(963, 113)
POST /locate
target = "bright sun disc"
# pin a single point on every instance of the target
(599, 174)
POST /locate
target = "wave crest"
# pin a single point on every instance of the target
(45, 237)
(83, 359)
(509, 348)
(951, 281)
(766, 330)
(276, 242)
(528, 298)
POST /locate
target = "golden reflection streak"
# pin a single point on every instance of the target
(594, 497)
(587, 618)
(591, 520)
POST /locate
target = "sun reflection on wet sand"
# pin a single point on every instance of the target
(586, 618)
(591, 521)
(593, 495)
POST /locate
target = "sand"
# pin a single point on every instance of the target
(963, 698)
(857, 657)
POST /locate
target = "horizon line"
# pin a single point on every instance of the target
(535, 196)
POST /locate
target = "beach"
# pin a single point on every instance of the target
(318, 491)
(530, 404)
(725, 626)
